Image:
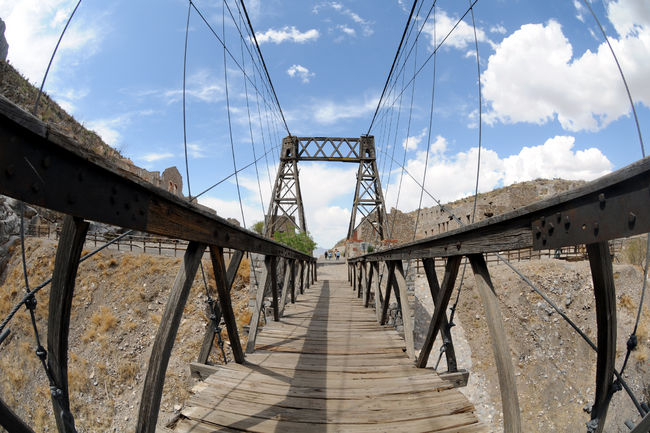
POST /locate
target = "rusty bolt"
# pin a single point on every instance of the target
(458, 245)
(567, 222)
(538, 232)
(551, 227)
(631, 219)
(543, 221)
(596, 228)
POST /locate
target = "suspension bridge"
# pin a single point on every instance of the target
(325, 360)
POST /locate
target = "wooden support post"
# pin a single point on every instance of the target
(302, 277)
(223, 290)
(307, 272)
(507, 383)
(211, 331)
(354, 277)
(349, 278)
(377, 289)
(292, 283)
(12, 422)
(440, 298)
(66, 264)
(369, 274)
(360, 280)
(272, 279)
(315, 272)
(270, 262)
(285, 285)
(164, 341)
(605, 293)
(389, 286)
(407, 317)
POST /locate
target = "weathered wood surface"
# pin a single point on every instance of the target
(66, 264)
(326, 366)
(81, 183)
(602, 275)
(164, 341)
(12, 422)
(500, 347)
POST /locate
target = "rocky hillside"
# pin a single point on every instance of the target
(118, 304)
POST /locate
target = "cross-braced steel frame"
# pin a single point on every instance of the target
(286, 199)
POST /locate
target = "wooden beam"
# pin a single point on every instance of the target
(505, 371)
(269, 281)
(360, 281)
(643, 426)
(389, 284)
(407, 317)
(354, 277)
(600, 262)
(377, 289)
(12, 422)
(164, 341)
(366, 293)
(223, 290)
(271, 264)
(440, 298)
(44, 167)
(292, 280)
(66, 264)
(285, 285)
(211, 327)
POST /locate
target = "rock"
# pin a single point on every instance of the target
(4, 46)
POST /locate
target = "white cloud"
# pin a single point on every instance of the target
(287, 34)
(107, 129)
(329, 112)
(153, 157)
(460, 38)
(301, 72)
(580, 10)
(533, 76)
(202, 85)
(553, 159)
(412, 142)
(499, 29)
(33, 28)
(365, 25)
(231, 209)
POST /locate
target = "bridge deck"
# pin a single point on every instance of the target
(327, 366)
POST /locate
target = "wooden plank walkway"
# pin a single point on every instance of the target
(327, 366)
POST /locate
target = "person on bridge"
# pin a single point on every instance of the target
(338, 254)
(329, 255)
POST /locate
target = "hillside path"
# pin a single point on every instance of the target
(327, 366)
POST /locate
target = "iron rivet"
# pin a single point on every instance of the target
(596, 228)
(551, 227)
(559, 216)
(567, 222)
(543, 221)
(601, 197)
(458, 246)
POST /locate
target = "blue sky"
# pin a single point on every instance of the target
(553, 104)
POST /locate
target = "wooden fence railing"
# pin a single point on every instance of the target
(42, 167)
(612, 207)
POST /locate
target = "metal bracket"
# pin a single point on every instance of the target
(601, 219)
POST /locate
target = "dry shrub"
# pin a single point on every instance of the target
(627, 303)
(127, 371)
(244, 271)
(100, 322)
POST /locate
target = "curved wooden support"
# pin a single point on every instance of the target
(292, 280)
(377, 290)
(507, 383)
(12, 422)
(360, 281)
(223, 290)
(164, 341)
(600, 262)
(302, 277)
(369, 275)
(66, 264)
(354, 277)
(271, 280)
(389, 285)
(210, 331)
(439, 319)
(407, 317)
(286, 272)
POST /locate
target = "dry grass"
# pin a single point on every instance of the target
(627, 302)
(101, 322)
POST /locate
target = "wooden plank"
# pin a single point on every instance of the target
(643, 426)
(439, 319)
(389, 285)
(12, 422)
(66, 263)
(78, 182)
(164, 341)
(505, 370)
(600, 262)
(211, 327)
(270, 280)
(407, 317)
(223, 290)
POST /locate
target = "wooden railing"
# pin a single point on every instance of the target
(612, 207)
(42, 167)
